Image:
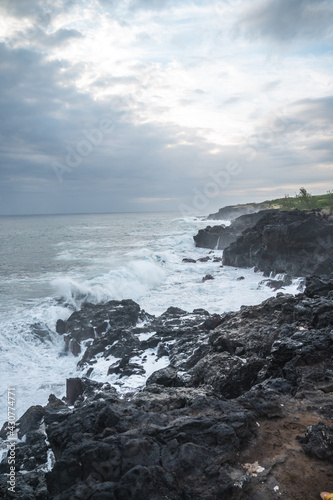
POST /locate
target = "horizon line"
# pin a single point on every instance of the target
(88, 213)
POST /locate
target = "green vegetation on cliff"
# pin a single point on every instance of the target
(301, 201)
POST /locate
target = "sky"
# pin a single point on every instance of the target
(153, 105)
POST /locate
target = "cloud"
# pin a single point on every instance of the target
(59, 37)
(44, 115)
(24, 9)
(267, 87)
(315, 110)
(286, 20)
(20, 8)
(151, 5)
(185, 97)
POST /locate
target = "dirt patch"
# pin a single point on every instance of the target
(288, 474)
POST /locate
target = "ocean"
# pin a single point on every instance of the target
(49, 265)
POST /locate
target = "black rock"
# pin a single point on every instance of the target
(30, 420)
(184, 434)
(207, 277)
(204, 259)
(164, 442)
(298, 243)
(219, 237)
(277, 284)
(318, 441)
(74, 389)
(212, 322)
(61, 326)
(231, 212)
(167, 377)
(318, 287)
(94, 320)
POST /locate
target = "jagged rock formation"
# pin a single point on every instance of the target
(231, 212)
(297, 242)
(219, 237)
(221, 421)
(93, 320)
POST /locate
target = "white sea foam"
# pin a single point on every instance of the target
(148, 360)
(32, 357)
(138, 257)
(131, 281)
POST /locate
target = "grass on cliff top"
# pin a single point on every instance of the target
(302, 201)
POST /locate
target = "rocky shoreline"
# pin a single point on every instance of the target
(220, 237)
(299, 243)
(241, 409)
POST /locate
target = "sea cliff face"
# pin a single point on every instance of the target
(220, 237)
(232, 212)
(205, 425)
(299, 243)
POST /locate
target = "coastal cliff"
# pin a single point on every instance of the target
(233, 406)
(296, 242)
(220, 237)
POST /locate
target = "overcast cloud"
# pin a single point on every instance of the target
(149, 105)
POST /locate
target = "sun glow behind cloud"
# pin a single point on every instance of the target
(192, 83)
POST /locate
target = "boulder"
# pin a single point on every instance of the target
(204, 259)
(95, 320)
(168, 377)
(164, 442)
(30, 420)
(207, 277)
(318, 441)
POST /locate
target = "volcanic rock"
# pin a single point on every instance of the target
(207, 277)
(318, 441)
(94, 320)
(231, 212)
(204, 259)
(238, 390)
(219, 237)
(299, 243)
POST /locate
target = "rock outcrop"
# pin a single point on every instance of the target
(297, 242)
(231, 212)
(242, 411)
(219, 237)
(94, 320)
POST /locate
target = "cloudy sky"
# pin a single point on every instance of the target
(140, 105)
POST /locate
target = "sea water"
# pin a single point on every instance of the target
(49, 265)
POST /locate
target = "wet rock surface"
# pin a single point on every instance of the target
(220, 420)
(220, 237)
(94, 320)
(299, 243)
